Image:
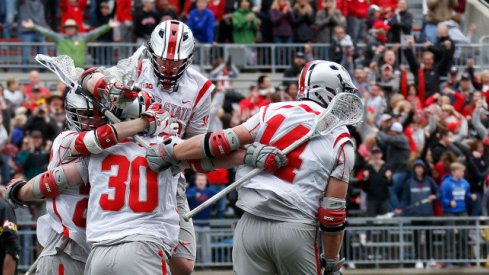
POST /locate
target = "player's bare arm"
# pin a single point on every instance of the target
(45, 185)
(332, 211)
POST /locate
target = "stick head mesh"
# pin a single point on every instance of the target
(63, 66)
(345, 109)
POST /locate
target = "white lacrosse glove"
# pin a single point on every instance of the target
(160, 157)
(263, 156)
(160, 121)
(332, 267)
(118, 94)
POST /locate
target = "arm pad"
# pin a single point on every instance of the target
(220, 143)
(50, 183)
(95, 141)
(100, 86)
(332, 215)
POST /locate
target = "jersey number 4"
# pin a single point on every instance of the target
(118, 183)
(294, 158)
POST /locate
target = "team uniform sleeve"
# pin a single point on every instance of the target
(198, 124)
(344, 163)
(61, 150)
(252, 125)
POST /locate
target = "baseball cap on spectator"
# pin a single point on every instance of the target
(299, 55)
(374, 8)
(465, 76)
(36, 134)
(396, 127)
(70, 23)
(385, 117)
(20, 111)
(453, 70)
(379, 24)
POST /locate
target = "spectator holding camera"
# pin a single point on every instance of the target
(41, 121)
(35, 158)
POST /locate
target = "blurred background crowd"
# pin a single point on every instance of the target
(426, 122)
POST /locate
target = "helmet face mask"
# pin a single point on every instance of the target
(80, 113)
(171, 49)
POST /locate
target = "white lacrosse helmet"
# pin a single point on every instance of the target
(171, 48)
(320, 81)
(81, 115)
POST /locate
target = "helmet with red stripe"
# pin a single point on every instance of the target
(81, 115)
(171, 48)
(320, 81)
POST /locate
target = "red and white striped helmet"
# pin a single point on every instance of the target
(320, 81)
(171, 49)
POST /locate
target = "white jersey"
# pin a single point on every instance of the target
(190, 104)
(128, 199)
(66, 214)
(293, 193)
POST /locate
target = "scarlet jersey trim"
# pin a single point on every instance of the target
(66, 232)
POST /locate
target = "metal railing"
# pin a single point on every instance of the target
(269, 57)
(369, 242)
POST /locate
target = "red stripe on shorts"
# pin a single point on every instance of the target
(163, 262)
(61, 269)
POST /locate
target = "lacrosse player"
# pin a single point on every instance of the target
(163, 71)
(284, 210)
(62, 230)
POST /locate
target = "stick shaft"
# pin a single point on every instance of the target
(221, 194)
(240, 181)
(33, 267)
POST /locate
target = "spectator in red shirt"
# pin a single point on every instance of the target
(218, 180)
(385, 5)
(251, 105)
(356, 12)
(73, 9)
(123, 14)
(34, 80)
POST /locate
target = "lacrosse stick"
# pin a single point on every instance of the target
(345, 109)
(391, 214)
(64, 68)
(33, 267)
